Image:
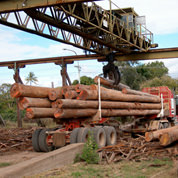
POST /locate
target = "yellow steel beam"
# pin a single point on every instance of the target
(16, 5)
(164, 53)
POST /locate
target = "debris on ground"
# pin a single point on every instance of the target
(136, 149)
(15, 139)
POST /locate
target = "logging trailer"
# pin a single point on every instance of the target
(114, 34)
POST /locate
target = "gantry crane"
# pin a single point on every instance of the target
(82, 24)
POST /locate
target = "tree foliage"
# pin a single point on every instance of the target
(134, 74)
(84, 80)
(163, 81)
(7, 104)
(31, 78)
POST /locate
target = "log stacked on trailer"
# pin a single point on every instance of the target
(81, 101)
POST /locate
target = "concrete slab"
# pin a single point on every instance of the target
(45, 162)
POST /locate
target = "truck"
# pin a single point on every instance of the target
(169, 113)
(76, 130)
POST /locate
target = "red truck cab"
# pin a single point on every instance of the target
(170, 101)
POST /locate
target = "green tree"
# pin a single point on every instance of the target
(7, 104)
(163, 81)
(152, 70)
(31, 78)
(134, 74)
(84, 80)
(75, 82)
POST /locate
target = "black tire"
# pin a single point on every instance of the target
(35, 140)
(43, 142)
(111, 135)
(73, 135)
(83, 135)
(99, 136)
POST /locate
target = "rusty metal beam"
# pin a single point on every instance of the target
(163, 53)
(17, 5)
(56, 60)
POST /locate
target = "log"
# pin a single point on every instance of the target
(110, 83)
(55, 93)
(67, 88)
(80, 86)
(113, 95)
(134, 92)
(78, 113)
(71, 103)
(71, 94)
(20, 90)
(25, 102)
(32, 113)
(169, 137)
(155, 135)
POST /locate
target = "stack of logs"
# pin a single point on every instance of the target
(165, 136)
(81, 101)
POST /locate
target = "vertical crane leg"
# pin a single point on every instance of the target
(18, 80)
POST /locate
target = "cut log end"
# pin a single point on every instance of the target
(148, 136)
(14, 91)
(52, 95)
(164, 139)
(29, 113)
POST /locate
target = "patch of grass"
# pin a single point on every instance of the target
(5, 164)
(145, 169)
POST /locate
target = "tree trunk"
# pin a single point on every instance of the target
(155, 135)
(26, 102)
(110, 83)
(33, 113)
(55, 93)
(113, 95)
(169, 137)
(20, 90)
(77, 113)
(71, 103)
(134, 92)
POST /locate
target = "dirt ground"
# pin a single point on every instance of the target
(16, 146)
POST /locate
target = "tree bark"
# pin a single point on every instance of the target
(26, 102)
(38, 113)
(71, 103)
(110, 83)
(78, 113)
(113, 95)
(134, 92)
(55, 93)
(20, 90)
(155, 135)
(169, 137)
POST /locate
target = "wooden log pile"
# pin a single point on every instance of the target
(136, 149)
(81, 101)
(165, 136)
(15, 139)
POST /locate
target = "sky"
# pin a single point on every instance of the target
(161, 18)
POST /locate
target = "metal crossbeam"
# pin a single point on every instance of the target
(164, 53)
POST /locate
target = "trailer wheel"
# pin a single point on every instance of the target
(74, 135)
(44, 145)
(35, 140)
(100, 136)
(83, 135)
(111, 136)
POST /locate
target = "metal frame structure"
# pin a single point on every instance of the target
(83, 25)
